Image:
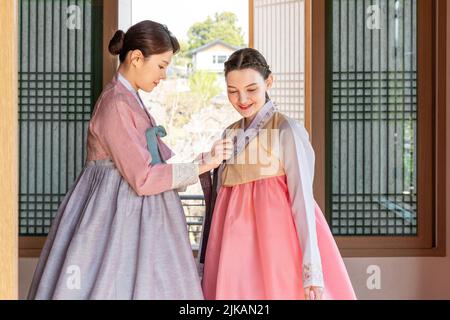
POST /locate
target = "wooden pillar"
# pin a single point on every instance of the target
(317, 99)
(251, 22)
(9, 152)
(110, 25)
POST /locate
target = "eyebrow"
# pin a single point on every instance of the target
(166, 62)
(252, 84)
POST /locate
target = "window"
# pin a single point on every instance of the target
(373, 118)
(279, 30)
(60, 77)
(377, 135)
(221, 59)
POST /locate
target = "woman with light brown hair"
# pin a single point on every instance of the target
(267, 238)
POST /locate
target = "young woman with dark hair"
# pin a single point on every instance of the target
(120, 232)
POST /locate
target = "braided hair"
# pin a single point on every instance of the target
(248, 58)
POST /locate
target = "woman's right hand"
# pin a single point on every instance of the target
(221, 151)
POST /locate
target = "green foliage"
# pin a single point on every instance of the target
(223, 26)
(181, 106)
(184, 48)
(204, 85)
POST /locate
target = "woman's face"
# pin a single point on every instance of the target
(247, 91)
(151, 70)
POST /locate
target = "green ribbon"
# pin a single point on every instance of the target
(152, 135)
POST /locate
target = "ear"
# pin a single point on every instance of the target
(269, 82)
(136, 57)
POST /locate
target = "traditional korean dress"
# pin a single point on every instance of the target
(268, 239)
(120, 232)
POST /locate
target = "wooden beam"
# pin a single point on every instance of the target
(442, 81)
(251, 22)
(308, 66)
(317, 72)
(9, 152)
(110, 26)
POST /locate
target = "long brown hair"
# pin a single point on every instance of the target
(147, 36)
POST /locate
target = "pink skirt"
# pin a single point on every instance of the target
(253, 249)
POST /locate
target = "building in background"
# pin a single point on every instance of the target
(211, 56)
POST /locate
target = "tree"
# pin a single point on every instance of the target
(181, 106)
(182, 59)
(204, 85)
(223, 26)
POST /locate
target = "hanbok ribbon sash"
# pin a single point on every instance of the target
(159, 132)
(152, 135)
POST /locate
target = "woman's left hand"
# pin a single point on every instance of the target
(313, 293)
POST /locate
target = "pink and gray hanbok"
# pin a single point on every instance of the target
(120, 232)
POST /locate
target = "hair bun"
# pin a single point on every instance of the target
(116, 43)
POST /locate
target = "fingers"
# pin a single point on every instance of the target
(223, 149)
(319, 294)
(307, 293)
(220, 145)
(313, 293)
(225, 144)
(227, 141)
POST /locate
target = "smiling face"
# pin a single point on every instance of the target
(247, 91)
(148, 72)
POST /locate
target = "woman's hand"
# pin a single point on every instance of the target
(313, 293)
(221, 150)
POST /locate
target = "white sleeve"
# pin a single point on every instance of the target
(297, 156)
(183, 175)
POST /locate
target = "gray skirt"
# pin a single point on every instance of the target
(106, 242)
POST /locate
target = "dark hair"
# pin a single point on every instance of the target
(248, 58)
(147, 36)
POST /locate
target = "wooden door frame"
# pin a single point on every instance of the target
(9, 184)
(315, 88)
(308, 53)
(364, 246)
(110, 25)
(251, 23)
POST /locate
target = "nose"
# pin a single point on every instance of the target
(243, 98)
(164, 75)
